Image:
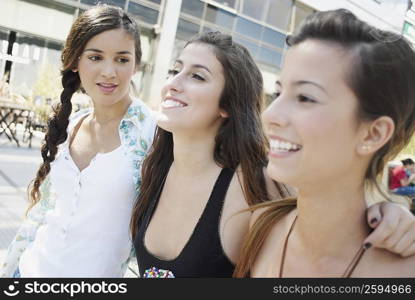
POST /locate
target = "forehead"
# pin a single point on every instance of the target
(114, 39)
(201, 54)
(315, 59)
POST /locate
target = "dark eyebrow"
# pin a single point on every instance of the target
(301, 82)
(100, 51)
(195, 65)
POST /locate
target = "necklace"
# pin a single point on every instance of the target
(347, 273)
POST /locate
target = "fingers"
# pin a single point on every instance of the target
(374, 215)
(409, 251)
(401, 239)
(396, 231)
(387, 226)
(406, 245)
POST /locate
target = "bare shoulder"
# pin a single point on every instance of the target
(256, 214)
(235, 217)
(265, 264)
(382, 263)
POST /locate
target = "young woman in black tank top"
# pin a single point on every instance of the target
(209, 141)
(210, 112)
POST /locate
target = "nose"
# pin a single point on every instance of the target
(174, 83)
(108, 70)
(277, 113)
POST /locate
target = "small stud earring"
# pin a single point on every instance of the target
(366, 148)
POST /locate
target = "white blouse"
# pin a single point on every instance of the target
(87, 234)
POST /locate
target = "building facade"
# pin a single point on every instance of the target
(32, 33)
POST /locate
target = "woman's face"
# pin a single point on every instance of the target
(312, 125)
(190, 97)
(107, 65)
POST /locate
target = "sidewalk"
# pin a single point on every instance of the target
(17, 169)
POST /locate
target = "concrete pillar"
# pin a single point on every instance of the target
(165, 46)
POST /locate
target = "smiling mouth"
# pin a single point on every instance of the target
(279, 146)
(172, 104)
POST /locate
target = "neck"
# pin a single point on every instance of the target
(333, 216)
(104, 114)
(193, 154)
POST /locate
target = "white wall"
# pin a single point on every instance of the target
(388, 14)
(35, 19)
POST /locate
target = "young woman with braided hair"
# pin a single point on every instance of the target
(84, 190)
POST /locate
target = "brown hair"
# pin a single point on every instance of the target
(240, 139)
(92, 22)
(381, 76)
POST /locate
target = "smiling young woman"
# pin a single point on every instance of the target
(345, 105)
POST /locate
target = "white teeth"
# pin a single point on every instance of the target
(277, 145)
(107, 84)
(171, 103)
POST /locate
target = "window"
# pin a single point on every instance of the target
(186, 30)
(143, 13)
(193, 8)
(301, 12)
(228, 3)
(220, 17)
(270, 57)
(248, 28)
(119, 3)
(274, 38)
(254, 8)
(279, 13)
(252, 47)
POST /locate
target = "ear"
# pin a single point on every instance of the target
(223, 114)
(375, 134)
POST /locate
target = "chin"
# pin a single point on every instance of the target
(277, 173)
(163, 122)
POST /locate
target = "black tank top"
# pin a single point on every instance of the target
(202, 255)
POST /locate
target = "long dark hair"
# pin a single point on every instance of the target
(381, 76)
(92, 22)
(240, 139)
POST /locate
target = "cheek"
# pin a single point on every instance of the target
(329, 139)
(163, 90)
(87, 72)
(127, 74)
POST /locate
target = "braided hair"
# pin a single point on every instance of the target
(92, 22)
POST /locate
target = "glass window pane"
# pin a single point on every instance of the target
(252, 47)
(193, 7)
(228, 3)
(269, 57)
(219, 17)
(301, 12)
(248, 28)
(30, 40)
(279, 13)
(274, 38)
(254, 8)
(186, 30)
(120, 3)
(208, 29)
(143, 13)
